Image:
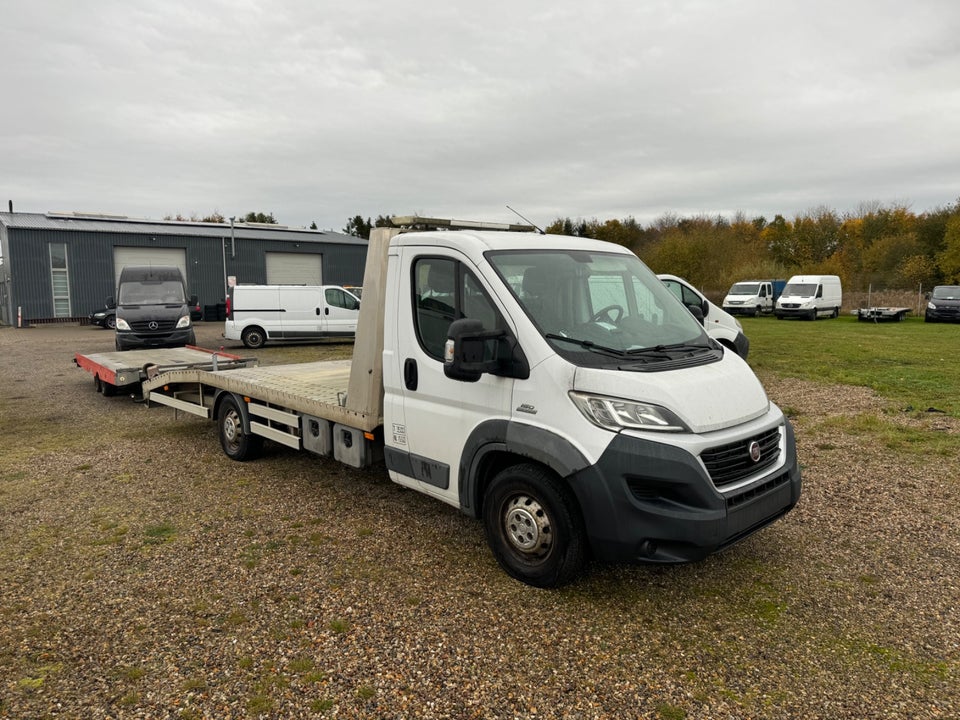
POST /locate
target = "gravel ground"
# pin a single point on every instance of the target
(144, 575)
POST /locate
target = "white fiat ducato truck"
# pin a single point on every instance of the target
(550, 385)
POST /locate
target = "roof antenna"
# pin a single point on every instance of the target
(539, 230)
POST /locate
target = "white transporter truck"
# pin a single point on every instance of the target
(550, 385)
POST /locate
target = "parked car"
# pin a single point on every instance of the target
(943, 304)
(105, 317)
(719, 324)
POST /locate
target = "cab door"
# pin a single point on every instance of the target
(340, 311)
(439, 414)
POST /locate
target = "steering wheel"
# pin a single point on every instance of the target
(606, 313)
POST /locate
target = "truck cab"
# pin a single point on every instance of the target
(554, 387)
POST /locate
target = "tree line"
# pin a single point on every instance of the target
(886, 247)
(878, 246)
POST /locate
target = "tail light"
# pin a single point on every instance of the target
(229, 308)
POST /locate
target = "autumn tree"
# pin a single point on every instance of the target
(949, 258)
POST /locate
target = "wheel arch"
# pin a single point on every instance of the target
(218, 401)
(497, 444)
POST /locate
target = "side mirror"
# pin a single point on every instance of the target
(471, 351)
(110, 302)
(697, 312)
(193, 301)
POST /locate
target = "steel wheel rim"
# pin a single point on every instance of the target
(231, 428)
(527, 526)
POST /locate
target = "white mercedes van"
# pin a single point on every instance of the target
(810, 297)
(257, 314)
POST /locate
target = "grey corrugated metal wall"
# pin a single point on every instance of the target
(91, 271)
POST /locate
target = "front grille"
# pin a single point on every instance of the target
(163, 326)
(730, 463)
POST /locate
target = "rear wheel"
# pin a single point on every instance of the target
(253, 337)
(533, 526)
(236, 443)
(104, 387)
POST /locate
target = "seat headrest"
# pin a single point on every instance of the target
(440, 279)
(537, 280)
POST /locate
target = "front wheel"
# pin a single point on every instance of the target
(237, 444)
(533, 526)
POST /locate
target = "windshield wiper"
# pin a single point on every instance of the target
(588, 345)
(666, 349)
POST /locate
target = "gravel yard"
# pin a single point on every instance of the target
(145, 575)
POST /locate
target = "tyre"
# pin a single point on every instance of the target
(236, 443)
(111, 322)
(756, 311)
(253, 337)
(533, 526)
(836, 313)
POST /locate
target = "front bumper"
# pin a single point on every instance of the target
(650, 502)
(127, 340)
(944, 314)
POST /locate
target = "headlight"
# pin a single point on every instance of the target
(617, 414)
(184, 322)
(99, 316)
(931, 306)
(122, 324)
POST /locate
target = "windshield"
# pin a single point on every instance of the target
(745, 289)
(152, 292)
(801, 289)
(602, 303)
(947, 292)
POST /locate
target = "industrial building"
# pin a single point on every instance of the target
(59, 267)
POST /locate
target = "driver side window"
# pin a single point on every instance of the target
(446, 291)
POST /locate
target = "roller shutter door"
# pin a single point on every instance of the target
(147, 256)
(294, 268)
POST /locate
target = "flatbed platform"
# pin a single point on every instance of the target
(317, 389)
(122, 369)
(881, 314)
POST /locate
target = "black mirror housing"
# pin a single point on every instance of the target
(697, 312)
(472, 351)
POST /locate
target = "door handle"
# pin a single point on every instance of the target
(410, 376)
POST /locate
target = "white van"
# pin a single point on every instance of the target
(719, 324)
(810, 297)
(260, 313)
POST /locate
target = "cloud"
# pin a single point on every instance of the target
(314, 112)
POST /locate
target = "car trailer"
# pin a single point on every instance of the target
(881, 314)
(116, 372)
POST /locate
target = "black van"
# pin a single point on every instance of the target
(152, 309)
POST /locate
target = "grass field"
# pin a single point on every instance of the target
(913, 364)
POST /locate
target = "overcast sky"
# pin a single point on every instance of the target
(319, 111)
